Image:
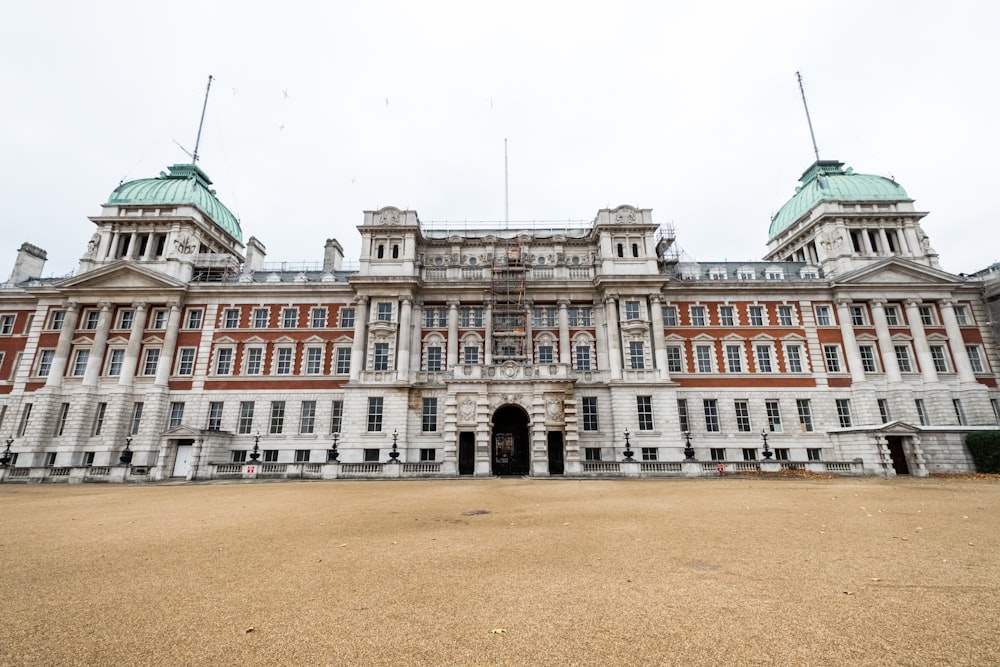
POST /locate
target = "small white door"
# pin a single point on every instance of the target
(182, 464)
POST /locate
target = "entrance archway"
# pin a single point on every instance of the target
(511, 452)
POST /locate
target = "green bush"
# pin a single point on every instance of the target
(984, 447)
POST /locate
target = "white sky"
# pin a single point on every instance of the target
(691, 109)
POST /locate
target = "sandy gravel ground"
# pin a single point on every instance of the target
(738, 571)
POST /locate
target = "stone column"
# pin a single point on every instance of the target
(564, 352)
(614, 337)
(850, 342)
(61, 357)
(958, 351)
(920, 341)
(360, 334)
(659, 339)
(416, 337)
(134, 344)
(529, 337)
(404, 336)
(100, 344)
(452, 334)
(488, 338)
(601, 344)
(165, 368)
(885, 342)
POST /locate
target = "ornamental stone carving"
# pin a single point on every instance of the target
(467, 409)
(625, 215)
(553, 409)
(185, 245)
(388, 216)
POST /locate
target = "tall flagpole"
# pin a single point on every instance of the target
(197, 141)
(808, 119)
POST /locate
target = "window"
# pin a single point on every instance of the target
(90, 319)
(383, 311)
(704, 355)
(674, 359)
(649, 454)
(136, 417)
(152, 359)
(185, 363)
(636, 355)
(374, 414)
(176, 414)
(582, 358)
(823, 316)
(270, 456)
(927, 315)
(734, 360)
(245, 423)
(903, 358)
(975, 358)
(995, 404)
(470, 317)
(115, 361)
(867, 353)
(718, 454)
(962, 316)
(749, 454)
(921, 411)
(302, 456)
(381, 359)
(785, 316)
(88, 459)
(858, 316)
(317, 319)
(254, 360)
(283, 361)
(959, 411)
(80, 362)
(159, 319)
(435, 316)
(433, 358)
(814, 454)
(590, 413)
(347, 318)
(25, 416)
(307, 418)
(193, 320)
(429, 416)
(215, 415)
(939, 358)
(239, 456)
(579, 317)
(7, 325)
(427, 454)
(756, 316)
(224, 361)
(883, 410)
(644, 408)
(892, 316)
(805, 414)
(621, 250)
(844, 412)
(277, 423)
(545, 354)
(670, 316)
(831, 353)
(793, 358)
(371, 455)
(697, 316)
(780, 453)
(711, 415)
(343, 360)
(470, 354)
(764, 359)
(63, 416)
(261, 317)
(45, 358)
(336, 416)
(314, 360)
(231, 318)
(726, 318)
(289, 318)
(682, 415)
(102, 408)
(57, 318)
(742, 416)
(746, 273)
(631, 310)
(773, 416)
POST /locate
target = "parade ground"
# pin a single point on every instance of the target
(477, 572)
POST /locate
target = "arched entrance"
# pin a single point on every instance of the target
(510, 441)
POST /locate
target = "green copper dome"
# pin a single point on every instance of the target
(185, 184)
(827, 180)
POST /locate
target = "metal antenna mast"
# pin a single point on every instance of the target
(506, 200)
(808, 120)
(197, 141)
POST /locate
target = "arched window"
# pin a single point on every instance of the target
(635, 249)
(621, 250)
(380, 253)
(395, 251)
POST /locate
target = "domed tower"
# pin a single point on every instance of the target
(842, 221)
(173, 224)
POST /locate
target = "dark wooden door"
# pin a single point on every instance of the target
(555, 452)
(895, 444)
(466, 453)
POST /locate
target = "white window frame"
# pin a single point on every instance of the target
(253, 360)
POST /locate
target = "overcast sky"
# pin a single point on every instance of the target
(322, 110)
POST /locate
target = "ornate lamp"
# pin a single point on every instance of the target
(126, 457)
(5, 459)
(394, 454)
(767, 452)
(332, 453)
(628, 448)
(255, 454)
(688, 449)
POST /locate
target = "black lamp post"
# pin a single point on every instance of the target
(5, 459)
(628, 448)
(394, 454)
(255, 454)
(126, 457)
(332, 454)
(688, 449)
(767, 452)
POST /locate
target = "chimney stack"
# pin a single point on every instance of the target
(255, 255)
(29, 263)
(333, 255)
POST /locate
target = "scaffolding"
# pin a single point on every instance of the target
(509, 331)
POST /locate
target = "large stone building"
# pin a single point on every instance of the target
(581, 350)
